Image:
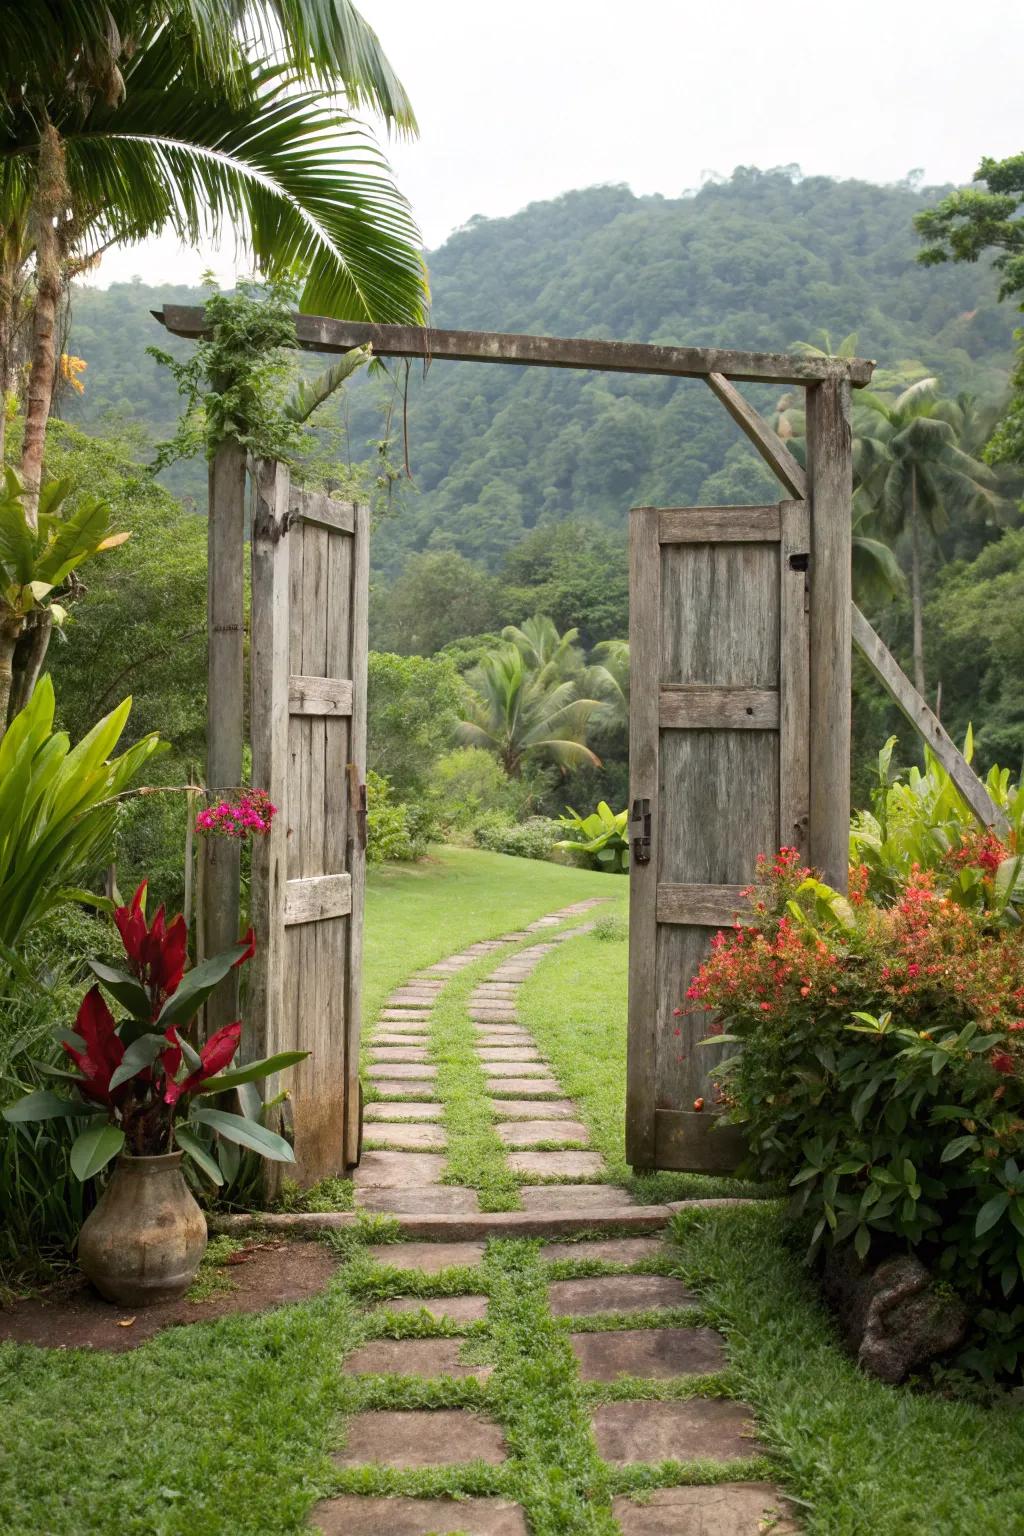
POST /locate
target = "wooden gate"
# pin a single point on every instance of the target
(719, 766)
(310, 562)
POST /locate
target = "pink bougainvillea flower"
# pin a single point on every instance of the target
(103, 1048)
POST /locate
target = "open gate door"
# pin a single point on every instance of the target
(719, 660)
(310, 564)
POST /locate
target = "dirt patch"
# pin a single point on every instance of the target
(261, 1275)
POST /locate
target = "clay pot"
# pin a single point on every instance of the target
(144, 1241)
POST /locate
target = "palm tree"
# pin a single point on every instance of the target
(914, 474)
(124, 118)
(608, 679)
(540, 645)
(522, 713)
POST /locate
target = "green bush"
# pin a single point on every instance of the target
(882, 1077)
(413, 703)
(533, 838)
(470, 787)
(394, 830)
(599, 840)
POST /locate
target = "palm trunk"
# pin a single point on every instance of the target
(10, 628)
(29, 655)
(49, 205)
(915, 587)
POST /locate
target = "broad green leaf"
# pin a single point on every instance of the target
(959, 1144)
(990, 1213)
(247, 1133)
(129, 992)
(44, 1105)
(140, 1054)
(196, 986)
(189, 1142)
(94, 1149)
(253, 1071)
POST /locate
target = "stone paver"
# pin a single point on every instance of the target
(529, 1109)
(420, 1200)
(436, 1437)
(517, 1069)
(352, 1515)
(389, 1088)
(408, 1017)
(723, 1509)
(696, 1428)
(395, 1170)
(523, 1085)
(557, 1165)
(413, 1357)
(413, 1070)
(411, 1038)
(379, 1053)
(500, 1013)
(658, 1354)
(521, 1055)
(616, 1293)
(418, 1138)
(527, 1133)
(429, 1258)
(402, 1109)
(607, 1250)
(573, 1197)
(452, 1309)
(486, 1038)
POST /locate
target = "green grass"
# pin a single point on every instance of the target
(575, 1006)
(865, 1457)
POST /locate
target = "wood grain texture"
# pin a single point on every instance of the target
(316, 898)
(719, 804)
(225, 695)
(319, 695)
(718, 525)
(267, 1030)
(699, 1143)
(830, 481)
(705, 706)
(645, 626)
(315, 507)
(794, 677)
(720, 615)
(902, 691)
(358, 632)
(754, 427)
(703, 906)
(318, 333)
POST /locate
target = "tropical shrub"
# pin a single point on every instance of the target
(395, 830)
(882, 1072)
(412, 708)
(599, 840)
(469, 787)
(534, 838)
(139, 1081)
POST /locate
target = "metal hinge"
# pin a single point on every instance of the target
(640, 816)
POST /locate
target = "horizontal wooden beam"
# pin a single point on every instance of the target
(317, 507)
(718, 525)
(319, 695)
(707, 707)
(902, 691)
(316, 898)
(767, 441)
(317, 333)
(703, 906)
(687, 1140)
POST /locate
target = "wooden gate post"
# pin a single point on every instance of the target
(830, 482)
(225, 689)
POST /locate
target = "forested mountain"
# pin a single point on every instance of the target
(759, 261)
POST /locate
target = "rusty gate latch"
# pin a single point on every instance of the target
(640, 816)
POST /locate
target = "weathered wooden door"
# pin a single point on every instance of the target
(719, 625)
(310, 562)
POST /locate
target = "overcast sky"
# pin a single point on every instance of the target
(521, 102)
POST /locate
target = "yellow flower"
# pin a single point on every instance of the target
(72, 368)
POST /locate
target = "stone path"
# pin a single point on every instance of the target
(627, 1324)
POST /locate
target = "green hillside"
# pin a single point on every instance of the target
(759, 261)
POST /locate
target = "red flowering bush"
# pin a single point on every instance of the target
(882, 1068)
(140, 1079)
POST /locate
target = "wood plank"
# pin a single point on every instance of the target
(317, 897)
(317, 508)
(225, 703)
(704, 906)
(267, 1030)
(767, 441)
(706, 706)
(701, 582)
(830, 478)
(319, 695)
(356, 853)
(718, 525)
(689, 1141)
(794, 676)
(892, 677)
(318, 333)
(645, 654)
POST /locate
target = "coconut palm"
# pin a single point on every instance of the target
(914, 475)
(122, 119)
(540, 645)
(523, 713)
(608, 680)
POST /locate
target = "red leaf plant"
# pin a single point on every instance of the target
(146, 1072)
